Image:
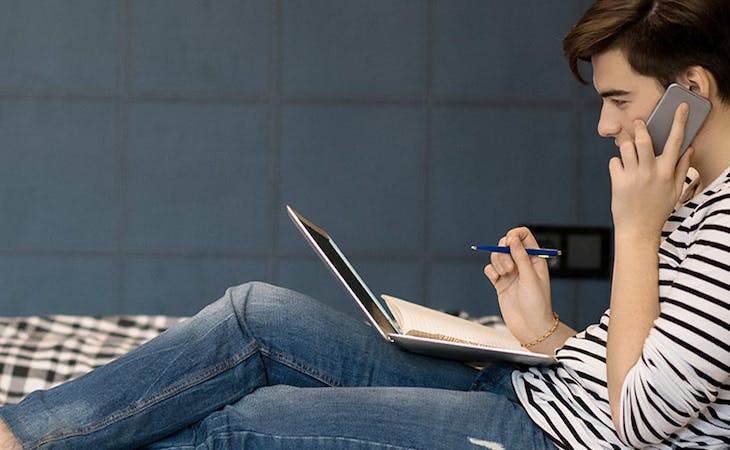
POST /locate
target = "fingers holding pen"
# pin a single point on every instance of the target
(502, 262)
(501, 267)
(516, 260)
(517, 239)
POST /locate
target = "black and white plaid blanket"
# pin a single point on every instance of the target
(40, 352)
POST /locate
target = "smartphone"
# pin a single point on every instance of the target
(660, 121)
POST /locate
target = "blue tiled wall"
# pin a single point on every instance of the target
(148, 148)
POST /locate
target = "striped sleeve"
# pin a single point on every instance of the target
(686, 357)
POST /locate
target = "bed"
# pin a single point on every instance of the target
(41, 351)
(38, 352)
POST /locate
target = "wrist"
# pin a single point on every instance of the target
(637, 239)
(551, 328)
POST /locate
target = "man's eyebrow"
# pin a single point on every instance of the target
(613, 93)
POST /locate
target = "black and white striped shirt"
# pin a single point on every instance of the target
(678, 393)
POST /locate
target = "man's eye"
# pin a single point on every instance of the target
(618, 102)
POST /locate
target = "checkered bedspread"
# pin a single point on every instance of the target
(39, 352)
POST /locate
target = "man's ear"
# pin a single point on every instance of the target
(698, 80)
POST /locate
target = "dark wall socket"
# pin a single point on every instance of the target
(586, 251)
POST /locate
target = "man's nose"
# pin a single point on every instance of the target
(608, 127)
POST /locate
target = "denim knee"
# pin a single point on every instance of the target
(260, 291)
(263, 308)
(257, 295)
(236, 298)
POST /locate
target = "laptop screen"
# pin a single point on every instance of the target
(335, 260)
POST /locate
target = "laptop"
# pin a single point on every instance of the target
(383, 320)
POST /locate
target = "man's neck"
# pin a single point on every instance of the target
(712, 147)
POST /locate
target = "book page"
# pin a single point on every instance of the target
(417, 320)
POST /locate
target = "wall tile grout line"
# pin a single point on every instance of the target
(206, 98)
(425, 259)
(576, 192)
(275, 94)
(183, 253)
(578, 151)
(577, 168)
(121, 142)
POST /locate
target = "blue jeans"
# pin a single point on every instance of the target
(265, 367)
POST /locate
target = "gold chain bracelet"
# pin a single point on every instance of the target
(546, 335)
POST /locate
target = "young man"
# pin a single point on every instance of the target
(658, 367)
(269, 368)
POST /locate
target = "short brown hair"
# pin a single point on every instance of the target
(661, 38)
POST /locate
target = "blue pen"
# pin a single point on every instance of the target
(539, 252)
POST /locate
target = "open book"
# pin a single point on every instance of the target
(417, 320)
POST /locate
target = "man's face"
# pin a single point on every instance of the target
(627, 96)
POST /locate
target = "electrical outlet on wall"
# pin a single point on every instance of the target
(586, 251)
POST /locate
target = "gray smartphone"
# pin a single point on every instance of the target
(660, 121)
